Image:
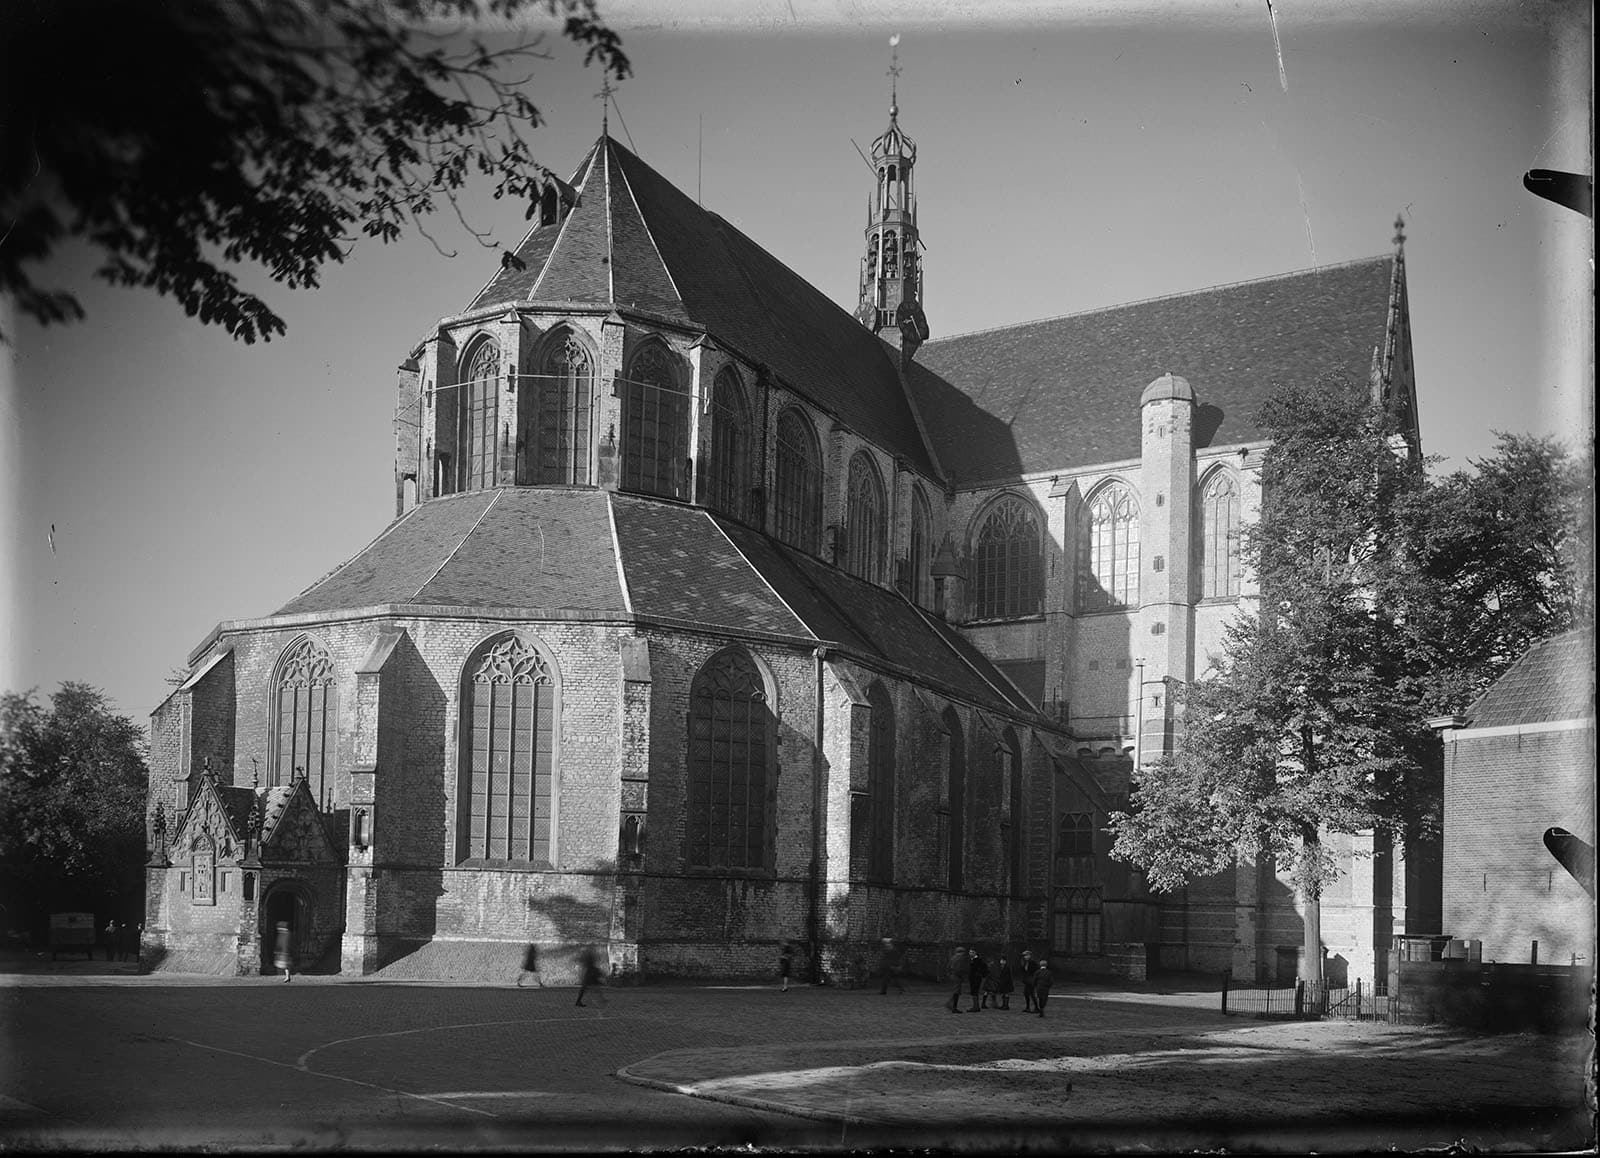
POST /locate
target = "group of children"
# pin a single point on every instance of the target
(994, 988)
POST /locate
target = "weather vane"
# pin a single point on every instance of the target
(604, 97)
(894, 74)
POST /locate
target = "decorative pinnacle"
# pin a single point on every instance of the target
(894, 75)
(1399, 231)
(604, 97)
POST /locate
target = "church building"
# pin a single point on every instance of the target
(714, 615)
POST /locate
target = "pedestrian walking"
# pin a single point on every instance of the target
(785, 965)
(959, 963)
(530, 964)
(977, 971)
(109, 936)
(1003, 984)
(889, 965)
(283, 951)
(1030, 969)
(589, 974)
(127, 942)
(1041, 986)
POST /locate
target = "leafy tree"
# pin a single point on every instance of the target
(1300, 731)
(72, 800)
(184, 139)
(1499, 562)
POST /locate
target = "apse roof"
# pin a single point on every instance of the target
(1553, 681)
(1064, 392)
(635, 240)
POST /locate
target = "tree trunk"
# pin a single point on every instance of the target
(1312, 970)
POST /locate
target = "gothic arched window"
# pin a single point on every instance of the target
(1219, 538)
(864, 519)
(478, 397)
(729, 809)
(556, 434)
(728, 470)
(655, 424)
(1008, 562)
(955, 798)
(505, 795)
(880, 786)
(919, 562)
(1109, 551)
(798, 483)
(306, 717)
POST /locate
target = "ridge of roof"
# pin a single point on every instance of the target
(445, 562)
(1227, 285)
(665, 268)
(587, 169)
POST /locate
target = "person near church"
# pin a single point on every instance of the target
(283, 951)
(109, 936)
(1030, 970)
(589, 974)
(128, 942)
(1003, 983)
(530, 964)
(1041, 986)
(959, 964)
(785, 965)
(977, 974)
(889, 964)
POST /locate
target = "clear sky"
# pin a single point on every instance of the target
(1066, 162)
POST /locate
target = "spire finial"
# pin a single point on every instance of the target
(894, 75)
(604, 97)
(1399, 231)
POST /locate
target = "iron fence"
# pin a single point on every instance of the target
(1307, 1001)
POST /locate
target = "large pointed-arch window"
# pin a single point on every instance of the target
(655, 424)
(556, 435)
(918, 564)
(1109, 551)
(880, 786)
(798, 483)
(478, 401)
(864, 519)
(1219, 537)
(728, 471)
(729, 810)
(507, 771)
(306, 714)
(1008, 561)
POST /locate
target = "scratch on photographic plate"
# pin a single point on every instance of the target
(1283, 77)
(1305, 211)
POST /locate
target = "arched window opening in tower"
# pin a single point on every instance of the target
(1219, 538)
(728, 469)
(556, 422)
(1008, 562)
(798, 483)
(306, 708)
(864, 519)
(478, 422)
(1109, 551)
(655, 424)
(506, 784)
(729, 809)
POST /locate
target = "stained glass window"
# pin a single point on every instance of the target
(1219, 538)
(479, 396)
(728, 472)
(1109, 551)
(655, 425)
(507, 778)
(798, 483)
(864, 519)
(1008, 561)
(305, 699)
(731, 733)
(560, 435)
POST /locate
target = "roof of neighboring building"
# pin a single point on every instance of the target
(1065, 392)
(635, 240)
(1553, 681)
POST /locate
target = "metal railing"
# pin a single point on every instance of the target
(1306, 1001)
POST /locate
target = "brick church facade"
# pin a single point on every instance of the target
(715, 616)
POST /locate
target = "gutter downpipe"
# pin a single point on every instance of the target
(814, 901)
(1138, 722)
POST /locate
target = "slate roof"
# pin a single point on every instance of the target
(513, 547)
(634, 239)
(1553, 681)
(274, 804)
(236, 804)
(1064, 392)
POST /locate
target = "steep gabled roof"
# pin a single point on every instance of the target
(1553, 681)
(1064, 392)
(635, 240)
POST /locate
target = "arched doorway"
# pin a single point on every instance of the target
(290, 902)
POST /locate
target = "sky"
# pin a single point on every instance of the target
(161, 478)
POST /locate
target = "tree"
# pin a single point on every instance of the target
(1300, 732)
(73, 781)
(1498, 563)
(182, 140)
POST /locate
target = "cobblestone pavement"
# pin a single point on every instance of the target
(92, 1060)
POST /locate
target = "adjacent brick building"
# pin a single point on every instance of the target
(1520, 761)
(714, 616)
